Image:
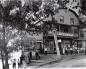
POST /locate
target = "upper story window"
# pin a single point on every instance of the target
(62, 19)
(66, 30)
(76, 31)
(81, 34)
(74, 0)
(72, 21)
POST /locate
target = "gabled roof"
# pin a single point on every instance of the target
(71, 11)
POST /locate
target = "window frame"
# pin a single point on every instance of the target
(61, 19)
(72, 21)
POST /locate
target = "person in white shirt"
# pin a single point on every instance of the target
(45, 50)
(71, 51)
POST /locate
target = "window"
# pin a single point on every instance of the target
(81, 34)
(75, 31)
(62, 19)
(72, 21)
(61, 29)
(66, 30)
(74, 0)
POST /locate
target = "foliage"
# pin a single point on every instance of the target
(27, 18)
(16, 16)
(83, 5)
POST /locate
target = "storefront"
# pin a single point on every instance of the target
(82, 45)
(64, 43)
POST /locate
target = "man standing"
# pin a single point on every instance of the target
(37, 54)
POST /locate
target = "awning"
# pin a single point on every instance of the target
(81, 39)
(40, 41)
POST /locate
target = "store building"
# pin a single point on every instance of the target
(67, 30)
(82, 39)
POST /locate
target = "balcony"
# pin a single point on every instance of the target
(50, 33)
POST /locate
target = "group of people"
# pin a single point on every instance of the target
(17, 62)
(71, 51)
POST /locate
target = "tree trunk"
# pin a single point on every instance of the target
(6, 60)
(6, 64)
(2, 58)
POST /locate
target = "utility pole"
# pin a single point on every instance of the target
(56, 42)
(55, 34)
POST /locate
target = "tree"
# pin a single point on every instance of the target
(82, 14)
(10, 34)
(83, 5)
(25, 18)
(6, 21)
